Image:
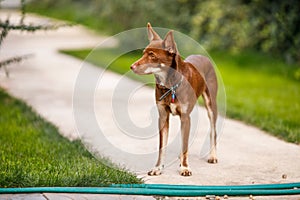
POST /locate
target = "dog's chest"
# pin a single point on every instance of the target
(175, 108)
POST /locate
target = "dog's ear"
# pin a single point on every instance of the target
(170, 46)
(152, 35)
(169, 43)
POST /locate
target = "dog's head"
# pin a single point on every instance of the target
(159, 55)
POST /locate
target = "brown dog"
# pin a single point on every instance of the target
(179, 83)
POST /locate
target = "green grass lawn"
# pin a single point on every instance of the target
(33, 153)
(260, 90)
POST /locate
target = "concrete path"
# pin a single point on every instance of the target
(96, 115)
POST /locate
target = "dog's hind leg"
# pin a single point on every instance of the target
(211, 106)
(163, 123)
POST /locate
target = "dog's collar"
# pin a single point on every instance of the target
(172, 90)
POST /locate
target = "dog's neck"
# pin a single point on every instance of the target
(168, 77)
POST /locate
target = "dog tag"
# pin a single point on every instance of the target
(173, 96)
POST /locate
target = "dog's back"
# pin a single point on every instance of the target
(206, 69)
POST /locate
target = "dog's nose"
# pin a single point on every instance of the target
(133, 66)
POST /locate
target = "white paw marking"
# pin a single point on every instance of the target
(185, 171)
(155, 172)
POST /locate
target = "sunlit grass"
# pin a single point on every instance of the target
(262, 91)
(33, 153)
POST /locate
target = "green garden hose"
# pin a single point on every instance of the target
(212, 187)
(169, 190)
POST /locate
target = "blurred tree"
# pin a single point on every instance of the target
(265, 25)
(277, 24)
(222, 24)
(127, 14)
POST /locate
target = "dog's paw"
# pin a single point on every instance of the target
(155, 172)
(212, 160)
(185, 171)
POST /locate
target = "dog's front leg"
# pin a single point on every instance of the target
(185, 132)
(163, 123)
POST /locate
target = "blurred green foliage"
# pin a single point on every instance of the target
(264, 25)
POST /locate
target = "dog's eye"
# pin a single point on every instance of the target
(151, 55)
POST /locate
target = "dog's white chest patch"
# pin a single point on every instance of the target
(173, 108)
